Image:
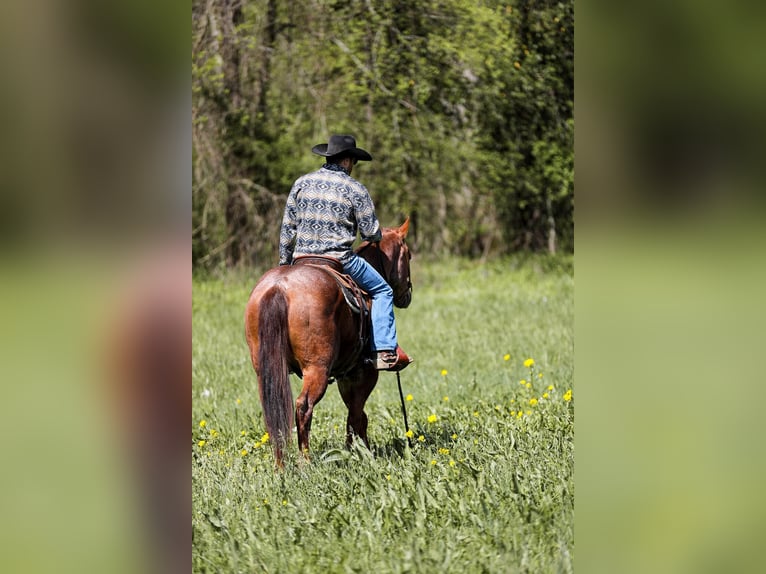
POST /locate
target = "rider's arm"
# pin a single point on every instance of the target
(367, 221)
(289, 227)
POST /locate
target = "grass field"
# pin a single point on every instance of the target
(488, 485)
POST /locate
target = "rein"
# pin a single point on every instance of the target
(404, 410)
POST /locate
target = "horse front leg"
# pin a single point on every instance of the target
(314, 388)
(355, 391)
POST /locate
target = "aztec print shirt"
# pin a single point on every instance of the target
(323, 212)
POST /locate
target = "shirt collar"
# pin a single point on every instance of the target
(335, 167)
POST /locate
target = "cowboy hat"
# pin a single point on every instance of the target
(341, 144)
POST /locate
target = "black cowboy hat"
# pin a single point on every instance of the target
(341, 144)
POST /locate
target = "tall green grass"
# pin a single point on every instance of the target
(483, 489)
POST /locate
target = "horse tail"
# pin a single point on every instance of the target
(274, 375)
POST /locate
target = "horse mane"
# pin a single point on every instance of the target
(362, 246)
(365, 244)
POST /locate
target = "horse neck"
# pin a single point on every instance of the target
(373, 254)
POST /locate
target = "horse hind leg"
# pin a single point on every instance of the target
(314, 388)
(355, 392)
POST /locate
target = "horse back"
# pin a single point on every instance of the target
(320, 324)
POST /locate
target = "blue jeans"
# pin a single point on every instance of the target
(383, 326)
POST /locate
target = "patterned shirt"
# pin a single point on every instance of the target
(324, 210)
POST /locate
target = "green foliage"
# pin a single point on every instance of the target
(485, 489)
(466, 108)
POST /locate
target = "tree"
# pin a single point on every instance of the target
(466, 107)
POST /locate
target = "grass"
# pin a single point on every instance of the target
(483, 489)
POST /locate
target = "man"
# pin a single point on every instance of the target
(323, 212)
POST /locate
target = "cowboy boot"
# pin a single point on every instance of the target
(392, 360)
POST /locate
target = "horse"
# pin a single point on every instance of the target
(297, 320)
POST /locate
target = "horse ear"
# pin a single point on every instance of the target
(404, 227)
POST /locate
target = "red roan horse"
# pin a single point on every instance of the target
(297, 320)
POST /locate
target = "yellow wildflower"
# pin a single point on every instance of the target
(529, 363)
(388, 477)
(444, 372)
(284, 502)
(523, 382)
(446, 399)
(476, 413)
(433, 462)
(265, 438)
(243, 433)
(507, 357)
(409, 434)
(202, 423)
(213, 433)
(539, 375)
(243, 452)
(239, 401)
(451, 462)
(545, 395)
(568, 395)
(202, 443)
(528, 413)
(519, 414)
(421, 438)
(550, 387)
(454, 436)
(529, 385)
(533, 401)
(513, 413)
(408, 398)
(432, 418)
(443, 451)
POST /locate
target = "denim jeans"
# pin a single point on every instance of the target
(383, 326)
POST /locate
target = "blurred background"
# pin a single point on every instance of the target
(95, 295)
(670, 274)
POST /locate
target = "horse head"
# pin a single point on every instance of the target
(391, 258)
